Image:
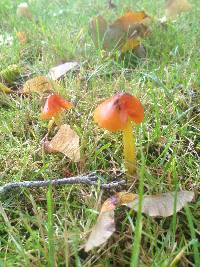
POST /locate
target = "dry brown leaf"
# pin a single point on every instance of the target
(105, 225)
(60, 70)
(122, 34)
(156, 206)
(21, 36)
(40, 85)
(176, 7)
(65, 141)
(24, 11)
(97, 29)
(130, 26)
(159, 205)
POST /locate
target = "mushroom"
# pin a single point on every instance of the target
(117, 113)
(53, 109)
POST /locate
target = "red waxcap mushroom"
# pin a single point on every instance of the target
(54, 105)
(114, 113)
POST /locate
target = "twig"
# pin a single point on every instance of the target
(90, 179)
(109, 185)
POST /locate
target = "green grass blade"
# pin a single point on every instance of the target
(193, 235)
(50, 227)
(138, 227)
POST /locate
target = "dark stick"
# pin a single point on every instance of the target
(90, 179)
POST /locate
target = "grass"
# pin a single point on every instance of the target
(33, 232)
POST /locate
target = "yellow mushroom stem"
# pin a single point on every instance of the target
(129, 149)
(57, 119)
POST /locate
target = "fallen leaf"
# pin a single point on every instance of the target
(156, 206)
(10, 73)
(97, 28)
(105, 225)
(60, 70)
(176, 7)
(126, 198)
(24, 11)
(130, 19)
(65, 141)
(130, 45)
(132, 25)
(160, 205)
(4, 89)
(21, 36)
(40, 84)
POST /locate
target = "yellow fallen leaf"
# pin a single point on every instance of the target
(4, 89)
(21, 37)
(65, 141)
(40, 84)
(176, 7)
(130, 45)
(129, 20)
(125, 197)
(24, 11)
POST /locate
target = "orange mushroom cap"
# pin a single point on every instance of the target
(114, 113)
(54, 105)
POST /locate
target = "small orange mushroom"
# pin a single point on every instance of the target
(117, 113)
(53, 108)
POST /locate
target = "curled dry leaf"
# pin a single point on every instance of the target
(24, 11)
(40, 85)
(156, 206)
(22, 38)
(60, 70)
(123, 34)
(176, 7)
(131, 21)
(105, 225)
(65, 141)
(131, 26)
(159, 205)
